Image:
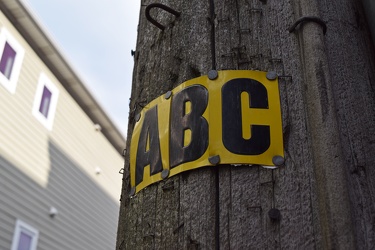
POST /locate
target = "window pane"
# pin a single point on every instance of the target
(45, 102)
(7, 60)
(25, 242)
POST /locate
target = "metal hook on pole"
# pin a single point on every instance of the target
(161, 6)
(309, 19)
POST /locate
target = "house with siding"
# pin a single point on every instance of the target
(60, 154)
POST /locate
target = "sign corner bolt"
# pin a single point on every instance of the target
(212, 74)
(271, 75)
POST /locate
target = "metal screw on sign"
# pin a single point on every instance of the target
(271, 75)
(278, 160)
(132, 191)
(165, 174)
(214, 160)
(212, 74)
(168, 95)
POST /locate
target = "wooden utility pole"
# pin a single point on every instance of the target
(324, 195)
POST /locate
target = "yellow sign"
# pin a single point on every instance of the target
(233, 119)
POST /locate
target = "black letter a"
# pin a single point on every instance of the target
(152, 156)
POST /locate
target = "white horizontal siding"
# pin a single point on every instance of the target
(6, 230)
(78, 212)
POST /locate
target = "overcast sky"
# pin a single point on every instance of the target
(96, 37)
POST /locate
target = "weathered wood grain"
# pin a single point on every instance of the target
(325, 192)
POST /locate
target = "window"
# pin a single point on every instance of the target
(7, 60)
(11, 56)
(25, 237)
(45, 101)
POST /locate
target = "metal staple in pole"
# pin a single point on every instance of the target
(309, 19)
(161, 6)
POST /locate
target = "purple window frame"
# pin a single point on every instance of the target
(24, 242)
(45, 101)
(25, 237)
(7, 60)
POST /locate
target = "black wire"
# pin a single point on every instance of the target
(212, 21)
(217, 208)
(217, 180)
(217, 187)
